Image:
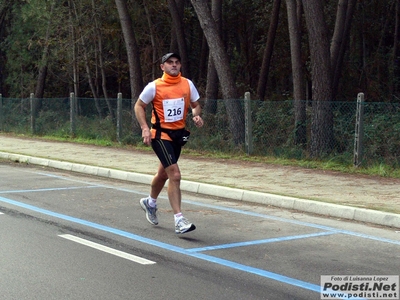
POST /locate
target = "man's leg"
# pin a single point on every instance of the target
(174, 192)
(174, 187)
(149, 203)
(167, 169)
(182, 224)
(158, 182)
(169, 153)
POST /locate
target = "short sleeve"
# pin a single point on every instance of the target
(148, 93)
(194, 94)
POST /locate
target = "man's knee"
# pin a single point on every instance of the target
(174, 174)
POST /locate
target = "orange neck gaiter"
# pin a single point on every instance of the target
(171, 79)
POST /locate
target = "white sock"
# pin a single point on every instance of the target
(177, 217)
(152, 202)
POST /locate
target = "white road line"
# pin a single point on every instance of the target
(1, 213)
(112, 251)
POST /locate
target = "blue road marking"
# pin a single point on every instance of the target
(212, 259)
(265, 241)
(317, 226)
(91, 183)
(49, 189)
(194, 252)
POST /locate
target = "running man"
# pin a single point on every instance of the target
(171, 96)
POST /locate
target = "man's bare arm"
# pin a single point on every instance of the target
(140, 113)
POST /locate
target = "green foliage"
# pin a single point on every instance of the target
(382, 133)
(74, 35)
(272, 133)
(96, 129)
(273, 126)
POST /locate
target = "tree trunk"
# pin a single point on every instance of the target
(41, 79)
(4, 11)
(340, 40)
(395, 78)
(90, 80)
(299, 12)
(300, 134)
(174, 46)
(322, 118)
(211, 104)
(132, 49)
(221, 61)
(75, 71)
(101, 62)
(180, 35)
(338, 32)
(135, 69)
(87, 67)
(201, 78)
(154, 65)
(262, 82)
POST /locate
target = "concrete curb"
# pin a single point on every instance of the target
(310, 206)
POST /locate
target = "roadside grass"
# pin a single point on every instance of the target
(338, 163)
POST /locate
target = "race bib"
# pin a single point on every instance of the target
(173, 109)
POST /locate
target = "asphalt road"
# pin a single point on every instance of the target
(69, 236)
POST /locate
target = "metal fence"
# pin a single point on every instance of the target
(271, 126)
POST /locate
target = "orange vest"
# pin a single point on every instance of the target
(170, 105)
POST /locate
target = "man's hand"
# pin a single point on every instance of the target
(198, 121)
(146, 135)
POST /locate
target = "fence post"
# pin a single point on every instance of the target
(119, 117)
(72, 111)
(359, 131)
(33, 114)
(248, 124)
(1, 113)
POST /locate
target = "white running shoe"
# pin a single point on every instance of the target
(151, 212)
(184, 226)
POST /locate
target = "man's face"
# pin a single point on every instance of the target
(172, 66)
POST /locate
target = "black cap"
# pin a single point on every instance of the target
(168, 56)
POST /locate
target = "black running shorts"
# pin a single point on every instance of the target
(167, 152)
